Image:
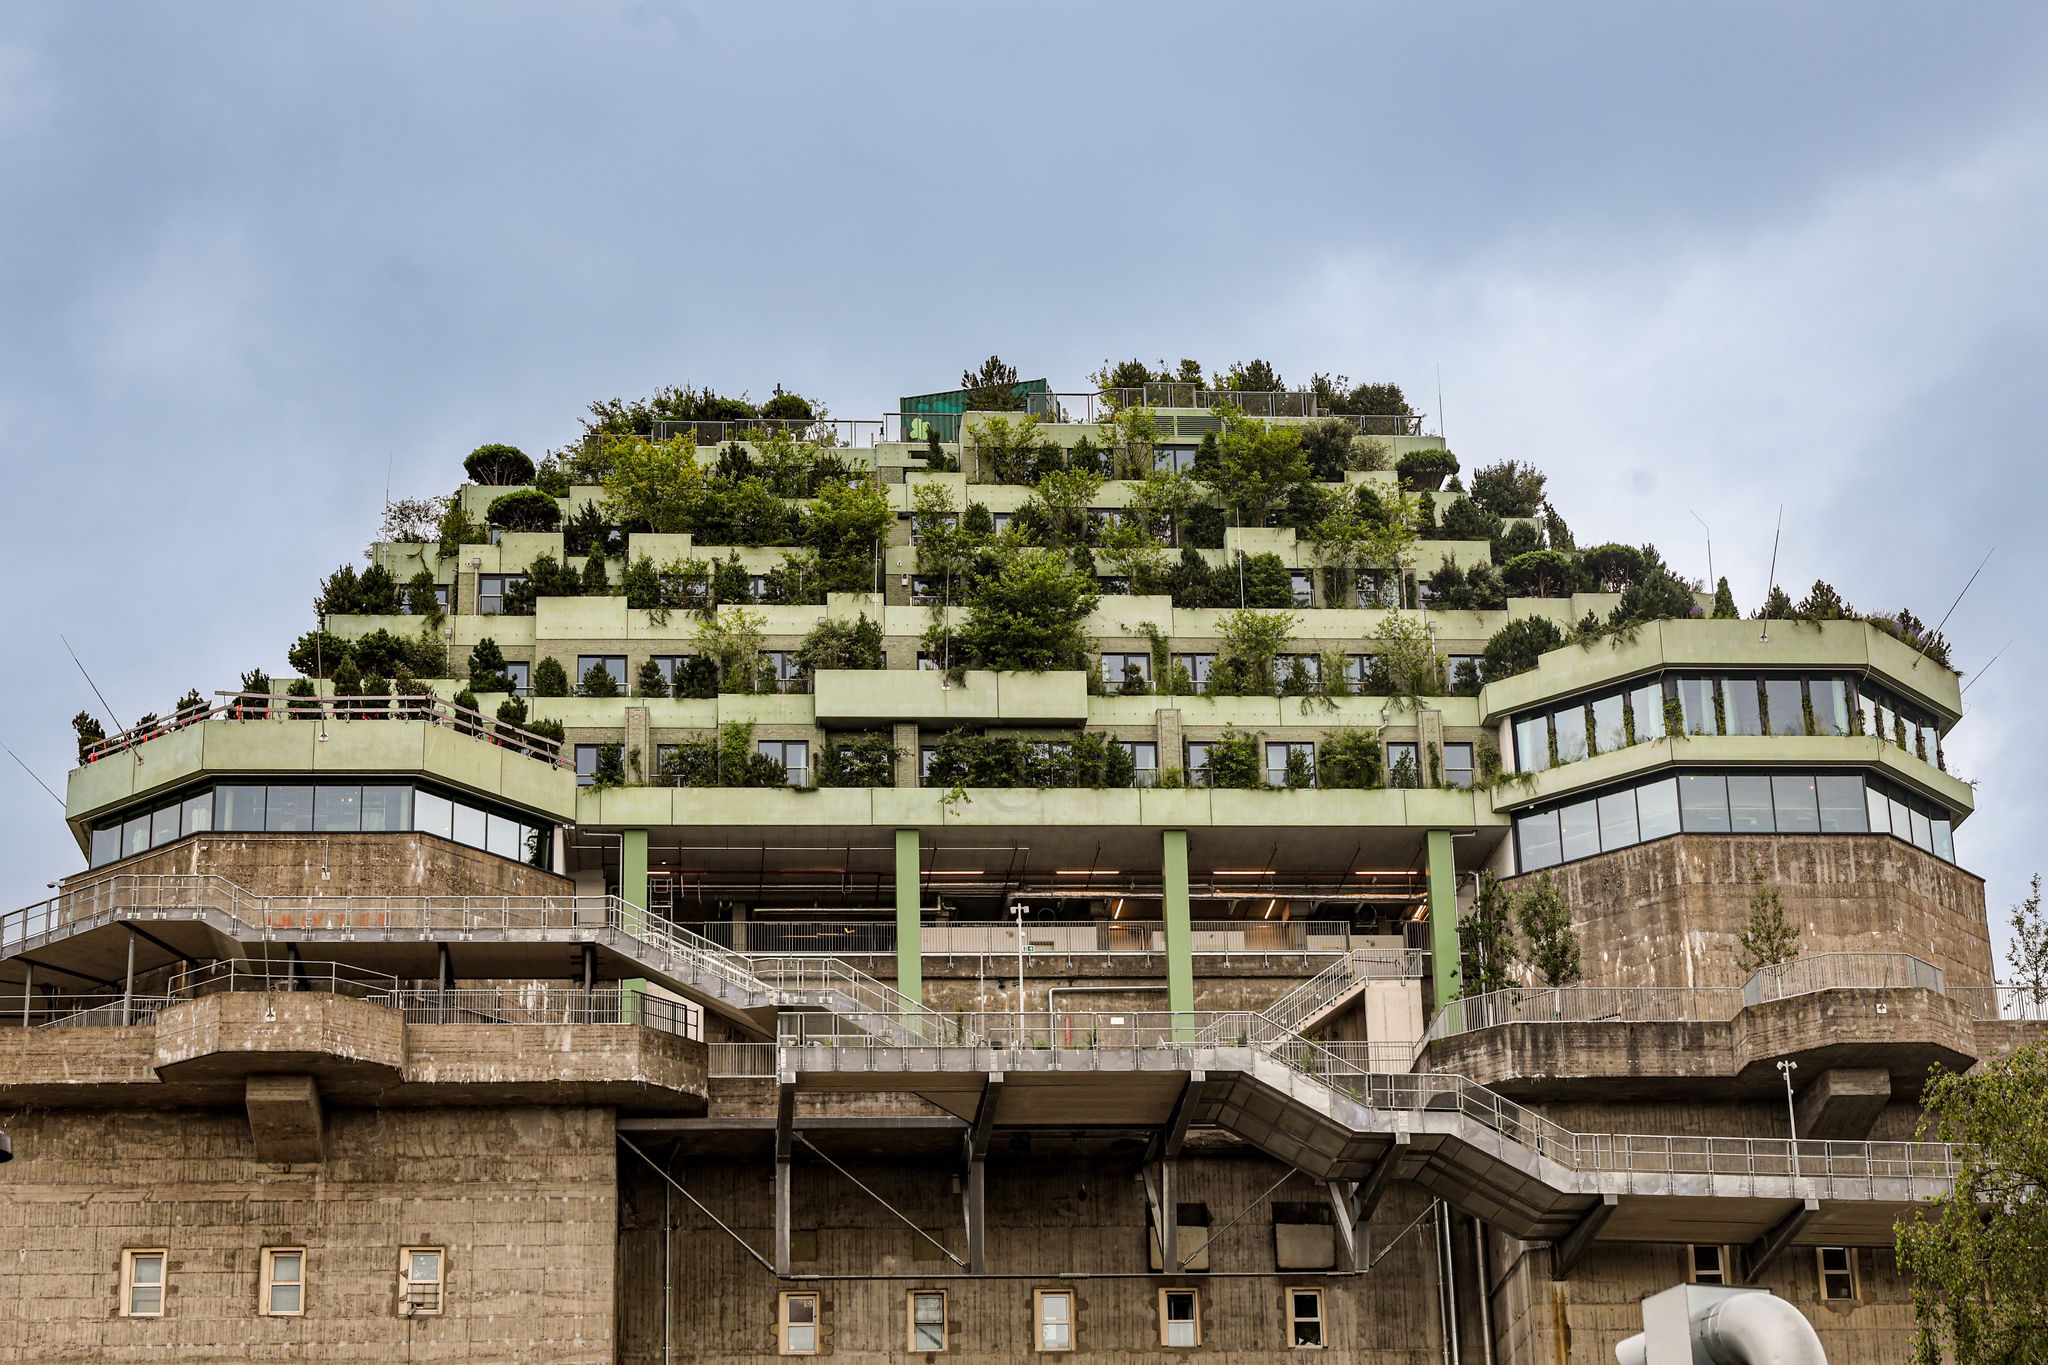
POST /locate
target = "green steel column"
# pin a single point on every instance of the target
(909, 917)
(633, 891)
(1443, 919)
(633, 878)
(1180, 935)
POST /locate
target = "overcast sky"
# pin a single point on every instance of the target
(1701, 262)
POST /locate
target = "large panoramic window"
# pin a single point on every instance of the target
(1729, 803)
(321, 808)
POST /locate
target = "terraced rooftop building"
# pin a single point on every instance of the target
(1152, 870)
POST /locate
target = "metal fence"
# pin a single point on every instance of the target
(254, 707)
(874, 936)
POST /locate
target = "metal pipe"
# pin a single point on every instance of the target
(28, 990)
(1479, 1283)
(128, 983)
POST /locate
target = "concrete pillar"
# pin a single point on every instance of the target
(904, 737)
(1167, 734)
(1180, 936)
(639, 751)
(909, 916)
(1443, 918)
(1429, 745)
(633, 878)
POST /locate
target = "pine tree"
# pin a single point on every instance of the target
(1724, 602)
(1769, 939)
(1547, 923)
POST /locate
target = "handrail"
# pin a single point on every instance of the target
(251, 706)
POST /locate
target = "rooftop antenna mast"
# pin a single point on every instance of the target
(1442, 429)
(1987, 667)
(1712, 582)
(118, 726)
(31, 772)
(1929, 641)
(1766, 636)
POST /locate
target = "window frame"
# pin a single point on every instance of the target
(798, 774)
(782, 1323)
(585, 662)
(1321, 1319)
(407, 1307)
(266, 1302)
(1038, 1323)
(910, 1312)
(1194, 1319)
(130, 1257)
(1848, 1271)
(1719, 1270)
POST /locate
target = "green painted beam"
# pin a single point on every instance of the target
(1443, 918)
(633, 876)
(909, 917)
(1180, 937)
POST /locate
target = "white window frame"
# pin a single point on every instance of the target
(408, 1307)
(1038, 1322)
(1693, 1271)
(1848, 1270)
(129, 1257)
(266, 1303)
(1166, 1324)
(783, 1324)
(910, 1313)
(1321, 1319)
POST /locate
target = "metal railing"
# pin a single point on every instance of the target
(248, 707)
(2005, 1001)
(1836, 971)
(832, 432)
(877, 936)
(742, 1061)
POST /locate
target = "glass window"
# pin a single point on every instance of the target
(142, 1284)
(291, 810)
(613, 664)
(586, 764)
(163, 826)
(1055, 1310)
(1879, 810)
(1121, 671)
(196, 816)
(387, 808)
(1923, 832)
(135, 836)
(1404, 765)
(433, 815)
(106, 845)
(1198, 666)
(1741, 707)
(1570, 728)
(1179, 1323)
(469, 825)
(1841, 805)
(1144, 760)
(1792, 799)
(1579, 828)
(1837, 1274)
(1696, 702)
(491, 589)
(502, 837)
(1706, 1265)
(1943, 834)
(1537, 836)
(1617, 820)
(1646, 709)
(521, 673)
(284, 1282)
(1532, 744)
(1902, 819)
(1198, 762)
(1786, 698)
(1866, 703)
(1830, 698)
(1458, 765)
(1703, 803)
(927, 1319)
(1749, 804)
(1304, 590)
(238, 809)
(1657, 808)
(338, 808)
(782, 666)
(1305, 1317)
(1609, 732)
(420, 1284)
(1298, 756)
(793, 754)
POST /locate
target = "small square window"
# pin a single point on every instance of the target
(927, 1320)
(142, 1283)
(1837, 1275)
(1054, 1311)
(1707, 1264)
(421, 1275)
(1180, 1320)
(284, 1282)
(797, 1325)
(1305, 1319)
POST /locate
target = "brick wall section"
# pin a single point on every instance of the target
(355, 864)
(1669, 913)
(523, 1199)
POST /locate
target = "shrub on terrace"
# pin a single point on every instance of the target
(1465, 519)
(1425, 470)
(1540, 573)
(1508, 489)
(487, 671)
(841, 644)
(971, 758)
(500, 465)
(598, 682)
(550, 679)
(89, 731)
(524, 509)
(1350, 759)
(1517, 538)
(1027, 614)
(1516, 646)
(1255, 466)
(864, 760)
(1235, 761)
(650, 682)
(421, 598)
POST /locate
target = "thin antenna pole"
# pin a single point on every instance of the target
(1712, 582)
(1774, 574)
(32, 772)
(1952, 607)
(118, 726)
(1987, 667)
(1442, 428)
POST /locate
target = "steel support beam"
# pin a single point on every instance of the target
(1442, 874)
(1180, 937)
(1570, 1249)
(1162, 1196)
(909, 916)
(128, 985)
(785, 1115)
(1353, 1202)
(974, 1184)
(1167, 1142)
(1758, 1255)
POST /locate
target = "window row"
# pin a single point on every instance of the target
(1055, 1321)
(1684, 704)
(1287, 763)
(282, 1288)
(322, 808)
(1840, 1281)
(1132, 671)
(1729, 803)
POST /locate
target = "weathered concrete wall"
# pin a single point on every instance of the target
(1669, 913)
(1049, 1213)
(523, 1199)
(342, 865)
